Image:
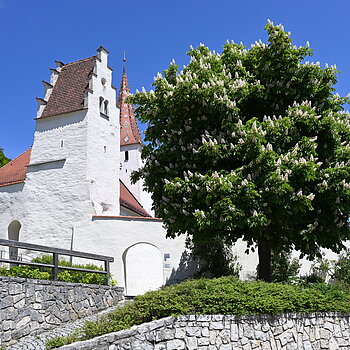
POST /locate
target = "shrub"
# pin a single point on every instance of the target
(45, 273)
(215, 259)
(225, 295)
(342, 268)
(320, 270)
(25, 272)
(284, 267)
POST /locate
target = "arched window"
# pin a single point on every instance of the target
(13, 234)
(101, 104)
(106, 108)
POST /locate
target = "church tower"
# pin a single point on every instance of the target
(130, 144)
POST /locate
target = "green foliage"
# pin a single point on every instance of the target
(3, 158)
(225, 295)
(25, 272)
(215, 259)
(45, 273)
(285, 268)
(342, 268)
(249, 143)
(320, 270)
(60, 341)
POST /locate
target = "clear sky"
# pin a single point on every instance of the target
(35, 33)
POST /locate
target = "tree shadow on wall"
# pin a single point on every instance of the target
(187, 268)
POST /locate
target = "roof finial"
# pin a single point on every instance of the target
(124, 65)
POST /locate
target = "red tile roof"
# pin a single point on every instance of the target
(15, 171)
(128, 200)
(129, 131)
(69, 90)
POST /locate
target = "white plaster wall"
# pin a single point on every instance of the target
(113, 237)
(55, 195)
(127, 167)
(248, 262)
(12, 207)
(103, 143)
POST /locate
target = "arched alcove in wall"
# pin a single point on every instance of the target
(143, 268)
(13, 234)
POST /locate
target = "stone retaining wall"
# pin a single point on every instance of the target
(30, 306)
(218, 332)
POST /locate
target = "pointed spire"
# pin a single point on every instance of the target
(129, 131)
(124, 65)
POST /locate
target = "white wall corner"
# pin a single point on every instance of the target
(102, 55)
(41, 105)
(92, 80)
(47, 90)
(87, 96)
(54, 76)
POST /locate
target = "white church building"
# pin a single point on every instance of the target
(72, 188)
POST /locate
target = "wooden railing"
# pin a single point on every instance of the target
(55, 253)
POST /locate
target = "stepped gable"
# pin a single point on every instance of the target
(69, 90)
(15, 171)
(129, 131)
(128, 200)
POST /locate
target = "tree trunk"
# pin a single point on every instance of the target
(264, 268)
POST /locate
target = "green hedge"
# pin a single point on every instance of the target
(225, 295)
(45, 273)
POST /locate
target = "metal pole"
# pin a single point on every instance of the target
(108, 272)
(71, 246)
(55, 269)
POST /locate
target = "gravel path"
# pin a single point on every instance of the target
(37, 342)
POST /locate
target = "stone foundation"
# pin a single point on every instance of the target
(30, 306)
(218, 332)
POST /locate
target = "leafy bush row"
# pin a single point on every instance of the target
(225, 295)
(45, 273)
(286, 269)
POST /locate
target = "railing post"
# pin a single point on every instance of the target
(55, 268)
(108, 272)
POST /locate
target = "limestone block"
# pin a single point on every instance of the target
(165, 334)
(192, 344)
(159, 347)
(225, 347)
(6, 325)
(234, 332)
(203, 341)
(175, 344)
(193, 331)
(15, 288)
(225, 336)
(205, 332)
(216, 325)
(212, 337)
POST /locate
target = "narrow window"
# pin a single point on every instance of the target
(61, 143)
(105, 148)
(106, 108)
(126, 157)
(101, 105)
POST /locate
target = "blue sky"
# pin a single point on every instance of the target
(35, 33)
